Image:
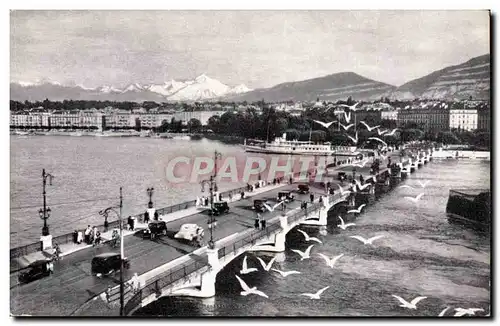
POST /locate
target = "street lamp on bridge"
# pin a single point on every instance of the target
(45, 212)
(150, 194)
(212, 184)
(119, 214)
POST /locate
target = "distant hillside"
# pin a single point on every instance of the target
(471, 78)
(328, 88)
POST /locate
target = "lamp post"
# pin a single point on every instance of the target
(45, 212)
(150, 193)
(119, 214)
(212, 184)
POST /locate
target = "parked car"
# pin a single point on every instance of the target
(303, 189)
(193, 233)
(258, 205)
(220, 208)
(286, 196)
(107, 263)
(36, 270)
(155, 228)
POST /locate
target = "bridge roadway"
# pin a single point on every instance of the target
(72, 284)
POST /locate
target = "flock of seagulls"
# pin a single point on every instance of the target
(332, 261)
(348, 125)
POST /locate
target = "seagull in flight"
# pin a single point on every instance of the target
(315, 295)
(392, 132)
(360, 164)
(352, 107)
(470, 311)
(304, 255)
(267, 266)
(245, 269)
(285, 274)
(367, 241)
(441, 314)
(342, 225)
(415, 199)
(342, 191)
(347, 116)
(247, 290)
(358, 210)
(381, 132)
(346, 127)
(355, 140)
(331, 262)
(368, 127)
(308, 238)
(325, 124)
(409, 305)
(362, 187)
(424, 184)
(271, 209)
(378, 139)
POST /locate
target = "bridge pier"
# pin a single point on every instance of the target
(204, 285)
(278, 244)
(322, 217)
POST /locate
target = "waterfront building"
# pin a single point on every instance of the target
(79, 119)
(26, 119)
(463, 119)
(389, 115)
(484, 119)
(203, 116)
(431, 119)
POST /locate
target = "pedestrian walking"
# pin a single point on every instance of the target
(146, 217)
(257, 221)
(88, 230)
(230, 196)
(135, 282)
(263, 224)
(311, 196)
(242, 195)
(220, 197)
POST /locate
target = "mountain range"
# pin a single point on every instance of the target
(461, 81)
(199, 89)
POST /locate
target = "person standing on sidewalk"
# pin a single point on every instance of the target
(311, 196)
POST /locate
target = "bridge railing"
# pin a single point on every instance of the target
(68, 238)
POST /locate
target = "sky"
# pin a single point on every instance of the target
(255, 48)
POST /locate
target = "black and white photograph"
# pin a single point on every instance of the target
(250, 163)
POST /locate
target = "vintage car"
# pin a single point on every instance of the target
(35, 271)
(107, 263)
(155, 228)
(286, 196)
(219, 208)
(258, 205)
(303, 189)
(193, 233)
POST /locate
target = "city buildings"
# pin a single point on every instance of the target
(430, 119)
(463, 119)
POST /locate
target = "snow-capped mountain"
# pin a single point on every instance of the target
(202, 88)
(199, 89)
(108, 89)
(168, 88)
(242, 88)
